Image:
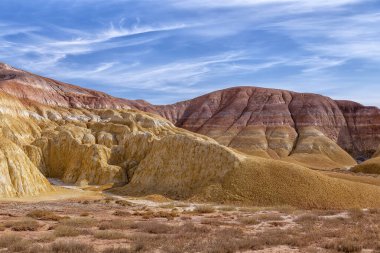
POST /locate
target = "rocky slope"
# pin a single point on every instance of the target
(47, 91)
(254, 120)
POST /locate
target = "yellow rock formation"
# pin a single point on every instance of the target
(18, 175)
(371, 166)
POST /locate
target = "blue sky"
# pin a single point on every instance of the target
(165, 51)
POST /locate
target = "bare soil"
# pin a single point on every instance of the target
(93, 222)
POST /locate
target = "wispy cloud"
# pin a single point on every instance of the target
(175, 50)
(48, 51)
(352, 37)
(302, 4)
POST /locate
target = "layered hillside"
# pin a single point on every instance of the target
(47, 91)
(254, 120)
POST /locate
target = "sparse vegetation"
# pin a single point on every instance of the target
(206, 231)
(44, 215)
(154, 227)
(116, 224)
(71, 247)
(249, 220)
(109, 235)
(122, 213)
(346, 246)
(7, 240)
(204, 209)
(82, 222)
(66, 231)
(22, 225)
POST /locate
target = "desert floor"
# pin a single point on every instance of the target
(76, 220)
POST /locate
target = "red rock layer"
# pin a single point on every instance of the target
(228, 114)
(47, 91)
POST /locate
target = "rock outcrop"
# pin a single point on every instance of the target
(18, 175)
(254, 120)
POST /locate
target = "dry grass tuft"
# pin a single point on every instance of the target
(270, 217)
(108, 235)
(20, 246)
(117, 250)
(44, 215)
(82, 222)
(154, 227)
(25, 224)
(249, 220)
(71, 247)
(122, 213)
(117, 224)
(204, 209)
(124, 203)
(66, 231)
(50, 237)
(9, 239)
(346, 246)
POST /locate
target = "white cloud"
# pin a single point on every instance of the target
(301, 4)
(48, 51)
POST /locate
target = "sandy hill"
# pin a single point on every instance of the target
(371, 166)
(143, 153)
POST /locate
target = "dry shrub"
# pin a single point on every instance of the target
(44, 215)
(23, 225)
(108, 235)
(2, 227)
(82, 222)
(20, 246)
(270, 217)
(374, 211)
(116, 224)
(249, 220)
(190, 228)
(167, 215)
(346, 246)
(124, 203)
(38, 248)
(204, 209)
(85, 214)
(7, 240)
(277, 223)
(154, 227)
(49, 237)
(356, 213)
(117, 250)
(122, 213)
(211, 222)
(66, 231)
(71, 247)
